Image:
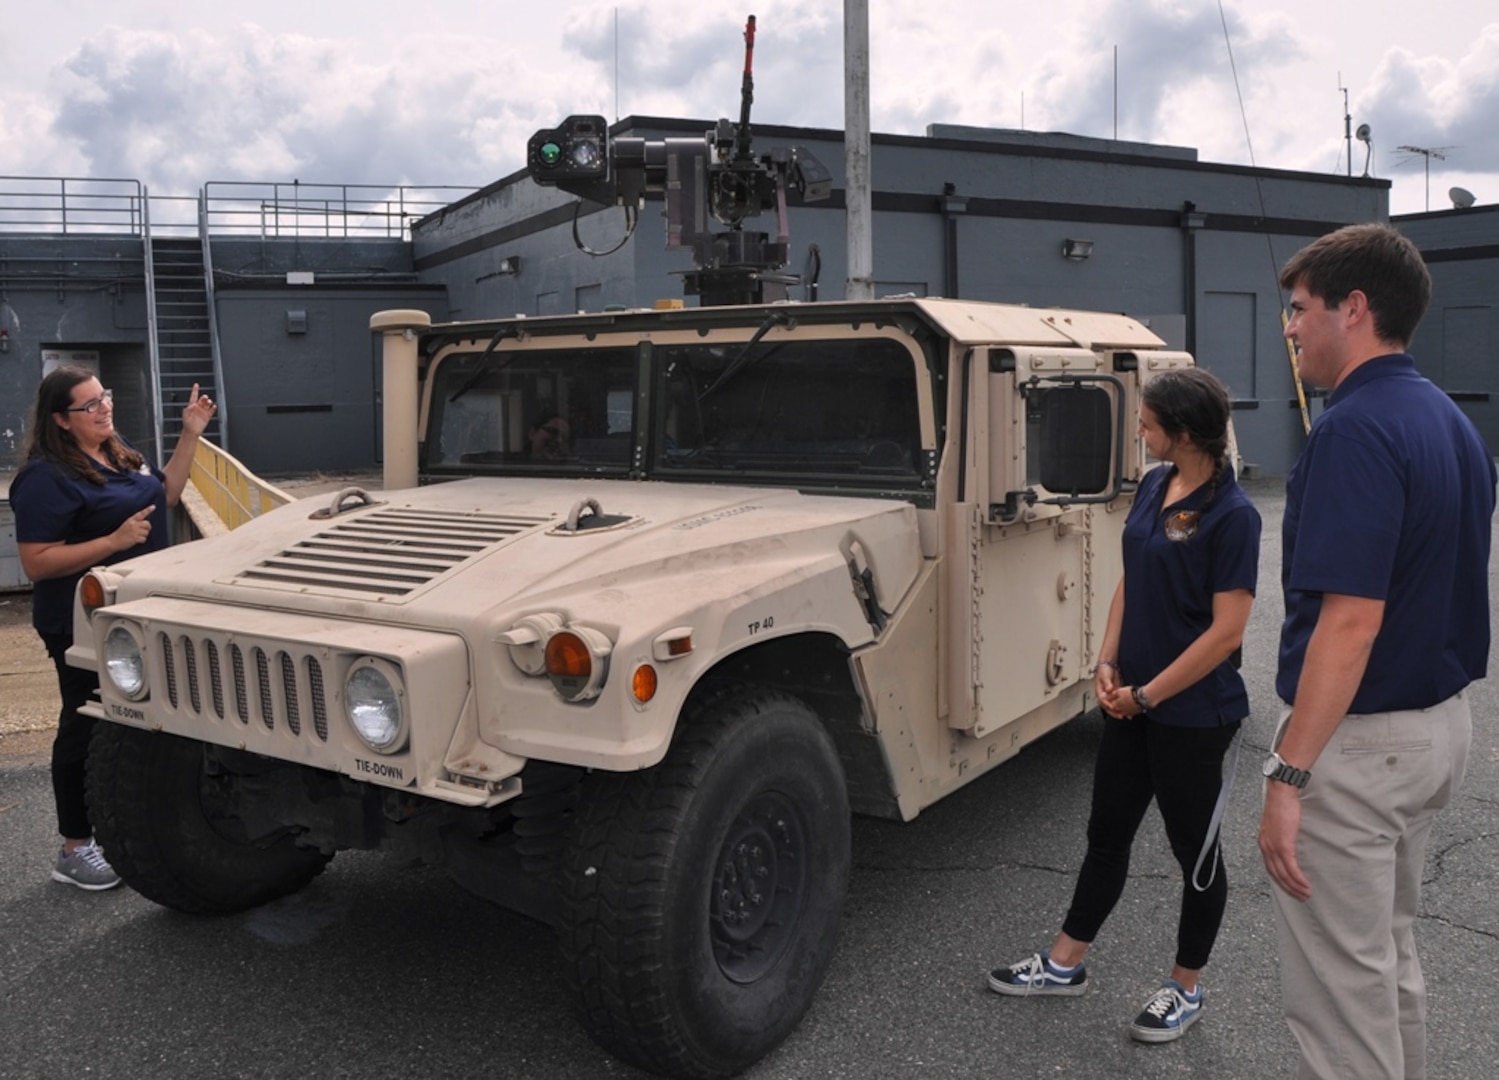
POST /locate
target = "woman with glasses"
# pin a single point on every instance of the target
(85, 497)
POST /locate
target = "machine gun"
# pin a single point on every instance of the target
(717, 176)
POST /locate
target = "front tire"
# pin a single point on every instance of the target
(702, 898)
(167, 824)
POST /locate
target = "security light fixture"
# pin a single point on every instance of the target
(1076, 250)
(1365, 135)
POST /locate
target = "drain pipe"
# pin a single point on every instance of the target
(399, 330)
(1192, 222)
(953, 206)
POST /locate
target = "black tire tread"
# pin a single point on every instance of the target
(627, 828)
(142, 839)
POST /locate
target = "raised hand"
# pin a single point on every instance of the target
(199, 411)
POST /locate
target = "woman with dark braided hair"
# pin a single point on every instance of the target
(85, 497)
(1172, 694)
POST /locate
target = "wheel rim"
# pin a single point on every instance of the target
(759, 881)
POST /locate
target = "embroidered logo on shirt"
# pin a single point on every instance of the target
(1182, 525)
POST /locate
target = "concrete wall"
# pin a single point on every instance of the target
(1457, 345)
(302, 373)
(299, 399)
(72, 295)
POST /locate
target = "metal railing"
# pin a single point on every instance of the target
(271, 209)
(70, 205)
(216, 352)
(321, 210)
(226, 492)
(153, 337)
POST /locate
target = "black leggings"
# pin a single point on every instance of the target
(70, 747)
(1182, 768)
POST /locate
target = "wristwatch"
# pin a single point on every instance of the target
(1275, 768)
(1140, 699)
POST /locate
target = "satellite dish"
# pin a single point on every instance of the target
(1364, 133)
(1461, 198)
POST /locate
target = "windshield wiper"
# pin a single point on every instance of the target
(743, 357)
(479, 375)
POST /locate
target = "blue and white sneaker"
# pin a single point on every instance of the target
(1039, 975)
(1168, 1014)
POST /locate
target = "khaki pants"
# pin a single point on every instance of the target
(1351, 982)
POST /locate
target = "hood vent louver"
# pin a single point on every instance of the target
(386, 554)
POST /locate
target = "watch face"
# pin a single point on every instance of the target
(1271, 764)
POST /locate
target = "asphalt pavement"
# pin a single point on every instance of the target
(381, 969)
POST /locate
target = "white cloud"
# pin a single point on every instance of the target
(179, 95)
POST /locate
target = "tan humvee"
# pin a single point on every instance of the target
(675, 592)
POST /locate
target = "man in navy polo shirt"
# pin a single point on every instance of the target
(1386, 547)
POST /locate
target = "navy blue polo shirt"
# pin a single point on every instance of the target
(51, 502)
(1175, 559)
(1392, 499)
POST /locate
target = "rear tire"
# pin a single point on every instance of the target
(167, 825)
(702, 897)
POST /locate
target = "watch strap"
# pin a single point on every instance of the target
(1287, 773)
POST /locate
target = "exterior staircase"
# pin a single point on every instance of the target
(184, 333)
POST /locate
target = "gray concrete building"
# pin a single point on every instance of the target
(1457, 344)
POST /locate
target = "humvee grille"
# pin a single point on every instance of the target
(216, 680)
(241, 697)
(276, 687)
(263, 680)
(289, 685)
(386, 552)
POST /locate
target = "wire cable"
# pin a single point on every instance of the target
(1306, 419)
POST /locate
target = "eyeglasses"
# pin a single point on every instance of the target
(91, 407)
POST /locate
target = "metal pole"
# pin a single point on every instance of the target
(860, 283)
(398, 330)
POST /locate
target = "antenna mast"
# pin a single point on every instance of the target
(1427, 152)
(1347, 124)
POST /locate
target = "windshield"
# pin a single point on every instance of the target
(844, 409)
(780, 409)
(533, 410)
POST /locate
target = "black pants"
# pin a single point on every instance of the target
(1182, 769)
(70, 747)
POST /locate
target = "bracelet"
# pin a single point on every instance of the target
(1105, 663)
(1140, 699)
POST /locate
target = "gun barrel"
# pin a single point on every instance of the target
(742, 140)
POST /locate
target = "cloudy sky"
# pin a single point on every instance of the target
(431, 92)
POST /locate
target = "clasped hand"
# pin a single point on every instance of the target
(1114, 699)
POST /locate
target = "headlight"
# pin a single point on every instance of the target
(124, 664)
(373, 701)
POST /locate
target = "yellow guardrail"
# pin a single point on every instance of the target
(224, 494)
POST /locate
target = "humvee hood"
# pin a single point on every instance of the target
(474, 544)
